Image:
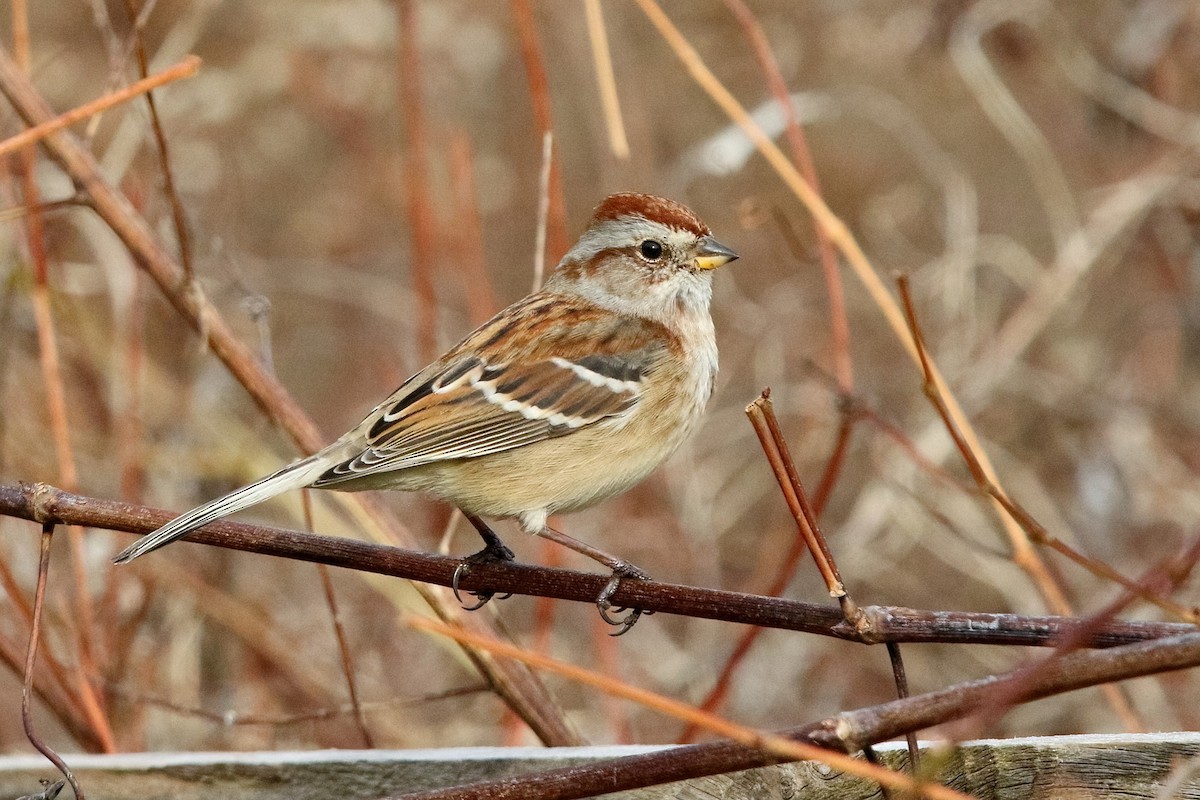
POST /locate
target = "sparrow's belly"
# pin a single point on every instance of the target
(556, 475)
(569, 472)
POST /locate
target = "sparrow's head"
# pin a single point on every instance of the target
(643, 255)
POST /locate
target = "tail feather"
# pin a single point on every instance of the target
(293, 476)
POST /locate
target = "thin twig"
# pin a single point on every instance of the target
(1045, 171)
(901, 679)
(184, 69)
(360, 718)
(233, 718)
(25, 611)
(1100, 569)
(62, 703)
(551, 554)
(602, 59)
(21, 211)
(130, 435)
(164, 154)
(539, 95)
(543, 218)
(843, 365)
(31, 661)
(762, 417)
(416, 160)
(56, 403)
(339, 631)
(933, 390)
(481, 297)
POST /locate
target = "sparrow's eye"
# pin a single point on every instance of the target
(651, 250)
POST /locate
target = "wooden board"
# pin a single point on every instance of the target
(1076, 767)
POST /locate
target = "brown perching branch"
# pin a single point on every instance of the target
(41, 503)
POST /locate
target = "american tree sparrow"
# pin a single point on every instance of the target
(561, 400)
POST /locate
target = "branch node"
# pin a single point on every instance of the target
(861, 624)
(43, 500)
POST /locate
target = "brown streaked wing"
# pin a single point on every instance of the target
(498, 409)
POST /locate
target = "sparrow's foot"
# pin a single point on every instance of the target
(621, 569)
(496, 552)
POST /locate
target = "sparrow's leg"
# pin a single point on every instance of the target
(620, 569)
(493, 551)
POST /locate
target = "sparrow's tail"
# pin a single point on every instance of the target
(293, 476)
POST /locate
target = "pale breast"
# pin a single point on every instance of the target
(590, 465)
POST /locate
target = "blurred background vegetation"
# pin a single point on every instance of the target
(1031, 166)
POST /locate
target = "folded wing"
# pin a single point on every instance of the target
(472, 408)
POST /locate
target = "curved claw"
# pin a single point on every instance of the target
(602, 605)
(624, 623)
(484, 597)
(494, 552)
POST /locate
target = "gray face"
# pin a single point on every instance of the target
(635, 265)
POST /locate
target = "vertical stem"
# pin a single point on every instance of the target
(481, 297)
(339, 631)
(56, 401)
(802, 158)
(986, 481)
(767, 427)
(539, 94)
(543, 220)
(160, 141)
(607, 83)
(420, 218)
(347, 660)
(39, 597)
(901, 678)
